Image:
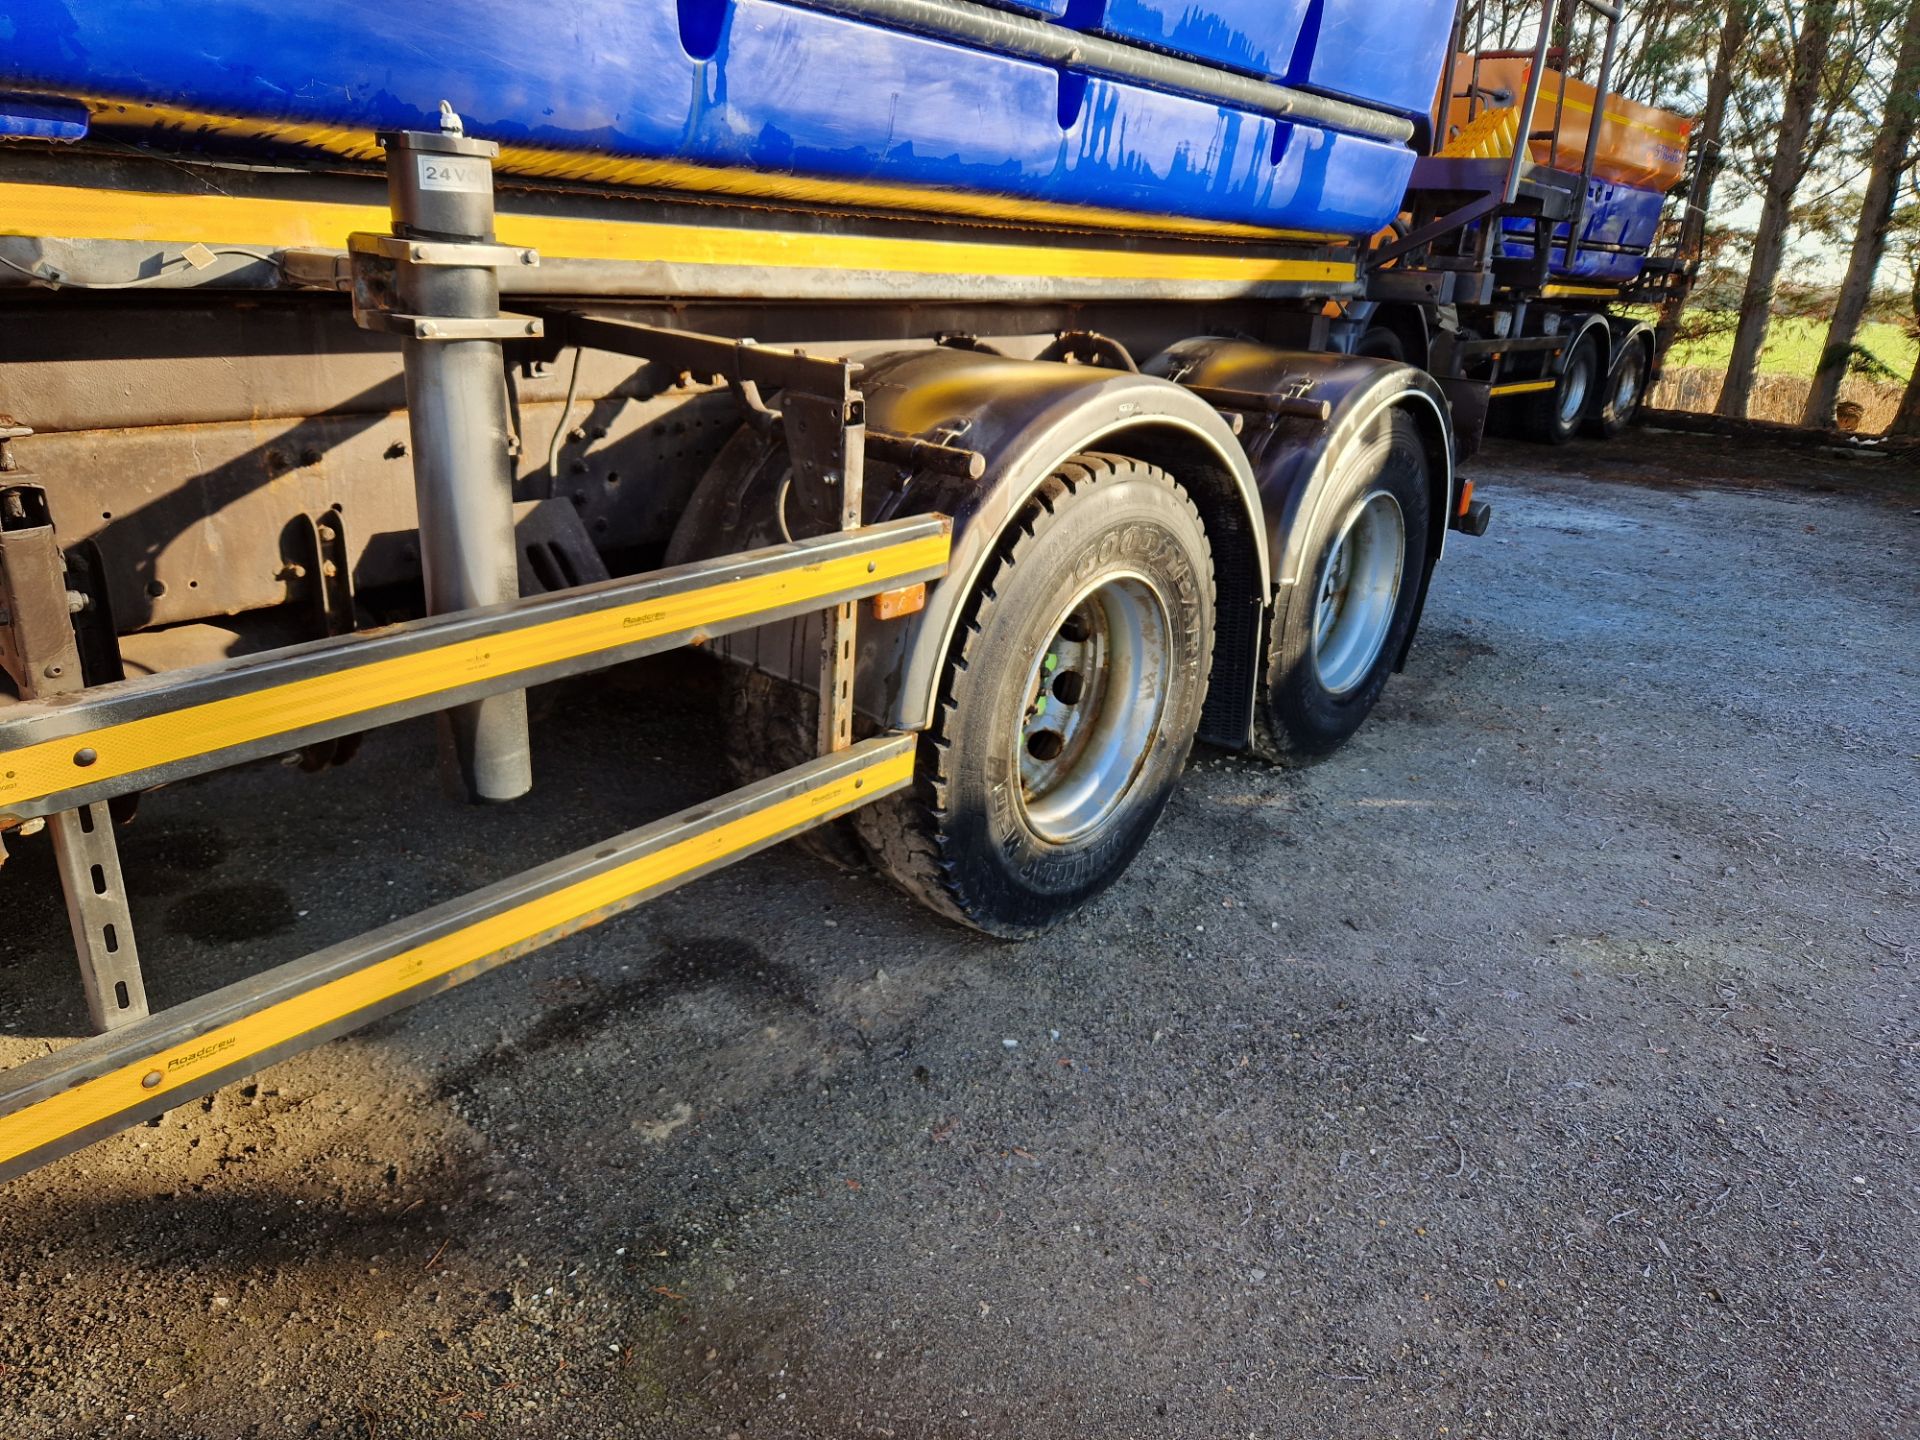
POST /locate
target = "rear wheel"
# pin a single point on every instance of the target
(771, 726)
(1625, 389)
(1068, 705)
(1382, 344)
(1339, 631)
(1554, 416)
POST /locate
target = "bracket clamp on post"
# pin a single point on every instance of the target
(435, 282)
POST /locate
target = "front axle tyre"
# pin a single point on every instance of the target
(1338, 632)
(1554, 416)
(1070, 698)
(1626, 387)
(770, 727)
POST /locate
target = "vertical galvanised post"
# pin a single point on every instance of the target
(440, 191)
(838, 638)
(826, 444)
(37, 609)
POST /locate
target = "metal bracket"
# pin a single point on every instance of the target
(1465, 215)
(826, 446)
(327, 565)
(1089, 347)
(733, 361)
(823, 420)
(1293, 406)
(1419, 287)
(505, 326)
(44, 655)
(381, 265)
(826, 442)
(441, 252)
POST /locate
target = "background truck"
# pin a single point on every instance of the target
(999, 390)
(1508, 270)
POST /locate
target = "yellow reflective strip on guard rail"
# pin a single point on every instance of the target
(1522, 387)
(105, 1096)
(1597, 291)
(70, 212)
(151, 741)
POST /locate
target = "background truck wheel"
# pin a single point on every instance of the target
(1337, 633)
(1554, 416)
(1067, 707)
(1625, 389)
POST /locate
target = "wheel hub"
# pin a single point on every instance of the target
(1359, 584)
(1628, 389)
(1094, 701)
(1573, 394)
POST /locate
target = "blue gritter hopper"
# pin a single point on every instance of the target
(688, 94)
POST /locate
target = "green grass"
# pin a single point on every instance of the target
(1793, 347)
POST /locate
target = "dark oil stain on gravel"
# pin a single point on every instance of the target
(165, 861)
(686, 966)
(223, 914)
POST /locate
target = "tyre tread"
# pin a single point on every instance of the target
(905, 832)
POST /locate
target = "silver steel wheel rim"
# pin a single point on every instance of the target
(1094, 701)
(1627, 391)
(1358, 587)
(1573, 395)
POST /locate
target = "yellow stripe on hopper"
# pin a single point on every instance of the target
(71, 213)
(102, 1098)
(704, 179)
(1550, 95)
(45, 768)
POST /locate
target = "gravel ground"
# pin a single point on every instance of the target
(1544, 1065)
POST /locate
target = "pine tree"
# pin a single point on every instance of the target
(1793, 156)
(1889, 157)
(1708, 160)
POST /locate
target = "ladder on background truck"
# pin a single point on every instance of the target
(1461, 202)
(1509, 184)
(67, 750)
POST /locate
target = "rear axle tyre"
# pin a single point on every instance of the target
(1067, 707)
(1381, 343)
(1554, 416)
(1625, 389)
(1338, 633)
